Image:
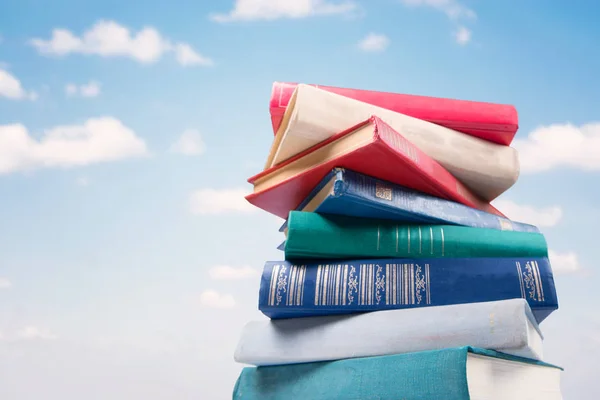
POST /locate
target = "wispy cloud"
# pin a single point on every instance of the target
(5, 283)
(90, 89)
(560, 145)
(220, 201)
(11, 88)
(374, 42)
(538, 216)
(96, 140)
(462, 35)
(214, 299)
(564, 263)
(190, 143)
(110, 39)
(452, 8)
(35, 333)
(250, 10)
(226, 272)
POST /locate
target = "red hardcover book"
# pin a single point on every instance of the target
(372, 148)
(496, 123)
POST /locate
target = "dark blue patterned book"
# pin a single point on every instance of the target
(302, 289)
(350, 193)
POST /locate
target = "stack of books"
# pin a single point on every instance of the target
(400, 280)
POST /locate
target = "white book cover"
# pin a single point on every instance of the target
(507, 326)
(314, 115)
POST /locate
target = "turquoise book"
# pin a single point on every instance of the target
(463, 373)
(318, 236)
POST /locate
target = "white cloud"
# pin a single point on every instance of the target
(540, 217)
(187, 56)
(220, 201)
(462, 35)
(34, 333)
(226, 272)
(5, 283)
(96, 140)
(374, 42)
(564, 263)
(90, 89)
(214, 299)
(560, 145)
(248, 10)
(110, 39)
(10, 87)
(452, 8)
(190, 143)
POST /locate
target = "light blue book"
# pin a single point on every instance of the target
(345, 192)
(507, 326)
(463, 373)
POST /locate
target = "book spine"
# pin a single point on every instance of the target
(497, 123)
(438, 176)
(346, 286)
(289, 341)
(397, 202)
(312, 235)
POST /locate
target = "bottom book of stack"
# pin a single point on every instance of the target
(477, 351)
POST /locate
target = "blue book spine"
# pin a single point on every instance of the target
(359, 195)
(297, 289)
(426, 375)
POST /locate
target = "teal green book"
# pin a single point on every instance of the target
(463, 373)
(319, 236)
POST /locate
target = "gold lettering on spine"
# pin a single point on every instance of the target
(345, 287)
(412, 283)
(290, 292)
(362, 284)
(333, 275)
(337, 285)
(274, 276)
(387, 283)
(405, 283)
(318, 286)
(427, 283)
(520, 273)
(325, 283)
(371, 282)
(300, 297)
(538, 278)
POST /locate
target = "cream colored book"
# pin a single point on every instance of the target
(314, 115)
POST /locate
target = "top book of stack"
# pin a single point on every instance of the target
(497, 123)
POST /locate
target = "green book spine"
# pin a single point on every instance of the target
(312, 235)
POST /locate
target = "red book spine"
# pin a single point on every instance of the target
(389, 156)
(496, 123)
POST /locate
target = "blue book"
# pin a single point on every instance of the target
(463, 373)
(302, 289)
(346, 192)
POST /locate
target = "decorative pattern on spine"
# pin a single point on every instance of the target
(294, 290)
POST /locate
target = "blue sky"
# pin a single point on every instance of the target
(116, 272)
